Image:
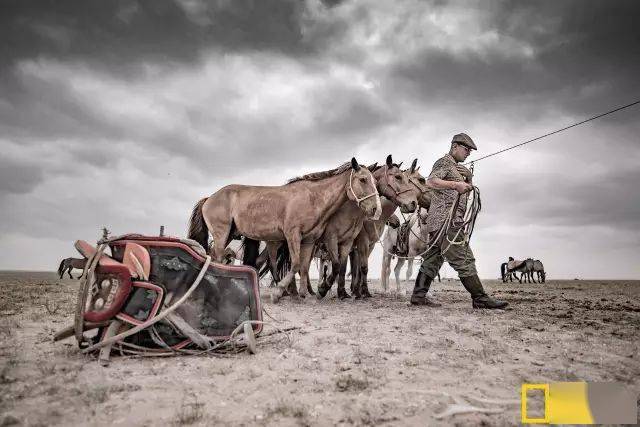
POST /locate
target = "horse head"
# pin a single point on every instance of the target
(363, 190)
(420, 183)
(394, 184)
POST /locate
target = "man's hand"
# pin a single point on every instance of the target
(462, 187)
(466, 173)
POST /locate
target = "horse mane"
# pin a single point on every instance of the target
(317, 176)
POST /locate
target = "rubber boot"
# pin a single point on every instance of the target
(478, 297)
(420, 289)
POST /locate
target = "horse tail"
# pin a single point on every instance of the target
(251, 251)
(61, 267)
(283, 261)
(503, 270)
(198, 230)
(263, 267)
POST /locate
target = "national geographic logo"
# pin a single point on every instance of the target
(582, 403)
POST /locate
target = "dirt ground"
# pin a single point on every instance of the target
(374, 362)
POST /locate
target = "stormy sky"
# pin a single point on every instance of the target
(125, 113)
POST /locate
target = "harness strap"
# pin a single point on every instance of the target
(374, 194)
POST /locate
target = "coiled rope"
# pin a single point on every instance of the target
(466, 228)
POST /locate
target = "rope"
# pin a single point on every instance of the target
(468, 224)
(555, 131)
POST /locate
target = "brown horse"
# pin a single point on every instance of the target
(372, 231)
(296, 212)
(68, 264)
(345, 225)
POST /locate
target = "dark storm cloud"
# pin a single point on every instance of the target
(18, 176)
(571, 54)
(119, 34)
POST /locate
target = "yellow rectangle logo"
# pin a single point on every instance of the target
(582, 403)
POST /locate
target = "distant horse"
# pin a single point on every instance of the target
(539, 269)
(524, 267)
(295, 213)
(507, 276)
(68, 264)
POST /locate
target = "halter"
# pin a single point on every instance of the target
(361, 199)
(413, 181)
(386, 178)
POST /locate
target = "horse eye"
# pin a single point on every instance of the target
(362, 180)
(422, 180)
(399, 177)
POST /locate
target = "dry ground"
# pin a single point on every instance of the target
(374, 362)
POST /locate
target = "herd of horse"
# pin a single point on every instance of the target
(343, 211)
(527, 268)
(336, 216)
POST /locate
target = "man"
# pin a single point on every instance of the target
(448, 179)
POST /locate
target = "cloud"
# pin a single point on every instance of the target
(557, 53)
(18, 176)
(125, 113)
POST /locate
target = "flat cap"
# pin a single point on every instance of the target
(464, 139)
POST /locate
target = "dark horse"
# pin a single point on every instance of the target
(68, 264)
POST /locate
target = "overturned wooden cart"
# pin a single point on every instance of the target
(157, 296)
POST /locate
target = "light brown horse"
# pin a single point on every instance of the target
(372, 231)
(296, 212)
(345, 225)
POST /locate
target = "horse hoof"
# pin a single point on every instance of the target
(322, 292)
(276, 295)
(343, 295)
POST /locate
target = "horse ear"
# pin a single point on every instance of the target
(389, 161)
(400, 165)
(413, 165)
(354, 164)
(417, 169)
(373, 167)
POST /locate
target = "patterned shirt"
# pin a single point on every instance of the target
(442, 200)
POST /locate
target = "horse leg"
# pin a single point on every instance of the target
(293, 242)
(343, 256)
(409, 269)
(272, 255)
(355, 272)
(363, 256)
(384, 274)
(340, 267)
(396, 271)
(69, 272)
(221, 234)
(331, 246)
(306, 254)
